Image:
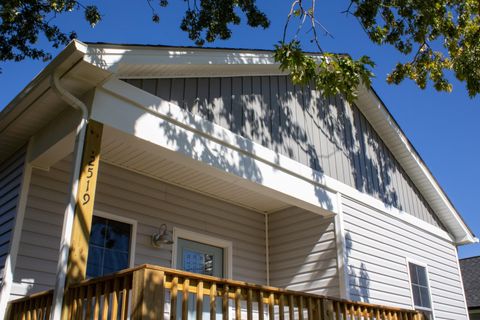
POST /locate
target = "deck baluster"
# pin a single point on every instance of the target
(185, 294)
(213, 305)
(225, 310)
(260, 306)
(173, 299)
(249, 305)
(199, 307)
(281, 304)
(238, 306)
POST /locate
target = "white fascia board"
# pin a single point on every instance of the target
(147, 117)
(368, 102)
(121, 93)
(114, 57)
(109, 57)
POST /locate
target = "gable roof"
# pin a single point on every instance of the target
(470, 268)
(90, 64)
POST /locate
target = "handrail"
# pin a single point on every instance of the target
(153, 292)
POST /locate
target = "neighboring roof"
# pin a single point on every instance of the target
(471, 280)
(137, 61)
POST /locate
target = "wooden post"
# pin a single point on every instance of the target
(78, 255)
(148, 294)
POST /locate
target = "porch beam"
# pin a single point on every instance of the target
(78, 253)
(198, 143)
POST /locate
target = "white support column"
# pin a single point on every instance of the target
(11, 260)
(341, 250)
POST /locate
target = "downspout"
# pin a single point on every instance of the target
(65, 239)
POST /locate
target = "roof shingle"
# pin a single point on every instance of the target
(471, 280)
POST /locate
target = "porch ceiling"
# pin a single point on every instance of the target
(133, 154)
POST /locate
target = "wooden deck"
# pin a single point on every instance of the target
(152, 292)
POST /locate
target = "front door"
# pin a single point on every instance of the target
(197, 257)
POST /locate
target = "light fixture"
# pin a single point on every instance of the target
(161, 237)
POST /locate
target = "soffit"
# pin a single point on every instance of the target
(139, 156)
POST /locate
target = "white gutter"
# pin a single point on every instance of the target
(70, 209)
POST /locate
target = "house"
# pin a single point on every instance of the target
(470, 268)
(208, 183)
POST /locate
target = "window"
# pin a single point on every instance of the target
(109, 246)
(420, 288)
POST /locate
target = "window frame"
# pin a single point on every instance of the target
(421, 264)
(133, 236)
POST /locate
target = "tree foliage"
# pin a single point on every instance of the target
(435, 37)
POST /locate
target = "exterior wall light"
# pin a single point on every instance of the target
(162, 237)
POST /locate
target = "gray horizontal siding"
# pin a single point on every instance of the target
(327, 134)
(377, 246)
(11, 175)
(302, 252)
(149, 202)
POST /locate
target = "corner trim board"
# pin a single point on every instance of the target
(341, 249)
(10, 262)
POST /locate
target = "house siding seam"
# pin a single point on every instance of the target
(377, 246)
(11, 175)
(303, 254)
(335, 139)
(148, 201)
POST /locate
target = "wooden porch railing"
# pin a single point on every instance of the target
(151, 292)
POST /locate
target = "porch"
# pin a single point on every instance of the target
(148, 292)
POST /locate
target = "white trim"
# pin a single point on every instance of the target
(422, 264)
(149, 118)
(267, 249)
(118, 58)
(133, 236)
(342, 266)
(11, 261)
(176, 57)
(367, 200)
(467, 311)
(206, 239)
(281, 164)
(373, 108)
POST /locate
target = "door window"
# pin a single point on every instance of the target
(199, 258)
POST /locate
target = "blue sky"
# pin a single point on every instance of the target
(444, 128)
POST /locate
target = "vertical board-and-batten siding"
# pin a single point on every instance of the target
(377, 246)
(11, 175)
(150, 202)
(302, 252)
(327, 134)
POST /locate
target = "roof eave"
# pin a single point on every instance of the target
(72, 53)
(370, 103)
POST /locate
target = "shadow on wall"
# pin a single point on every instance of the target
(231, 104)
(325, 133)
(358, 278)
(302, 252)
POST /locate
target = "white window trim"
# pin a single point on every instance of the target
(422, 264)
(226, 245)
(133, 237)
